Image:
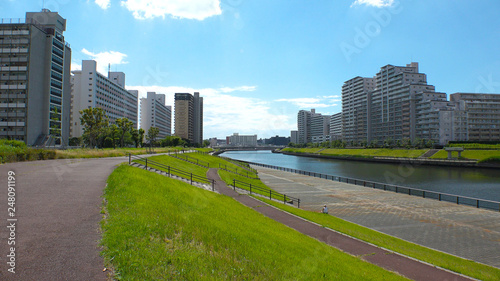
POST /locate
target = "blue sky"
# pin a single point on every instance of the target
(257, 63)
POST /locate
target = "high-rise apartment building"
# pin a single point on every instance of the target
(398, 104)
(355, 105)
(91, 89)
(336, 126)
(188, 120)
(480, 116)
(312, 127)
(154, 113)
(35, 79)
(390, 112)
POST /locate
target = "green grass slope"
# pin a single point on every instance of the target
(157, 228)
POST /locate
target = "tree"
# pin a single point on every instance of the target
(135, 137)
(94, 121)
(152, 135)
(124, 125)
(141, 136)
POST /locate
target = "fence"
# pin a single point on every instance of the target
(170, 170)
(464, 200)
(264, 191)
(190, 159)
(225, 168)
(238, 163)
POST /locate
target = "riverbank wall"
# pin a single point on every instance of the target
(399, 160)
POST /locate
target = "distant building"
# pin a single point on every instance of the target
(189, 117)
(91, 89)
(336, 126)
(294, 136)
(242, 140)
(277, 140)
(479, 116)
(313, 127)
(35, 90)
(154, 113)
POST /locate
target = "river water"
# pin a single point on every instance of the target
(470, 182)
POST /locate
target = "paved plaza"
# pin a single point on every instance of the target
(460, 230)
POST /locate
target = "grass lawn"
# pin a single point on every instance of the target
(479, 155)
(453, 263)
(368, 152)
(107, 152)
(159, 228)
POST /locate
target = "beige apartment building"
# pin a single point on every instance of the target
(188, 117)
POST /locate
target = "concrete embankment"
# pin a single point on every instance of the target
(399, 160)
(460, 230)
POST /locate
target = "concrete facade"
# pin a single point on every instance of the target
(312, 126)
(336, 126)
(91, 89)
(35, 79)
(189, 117)
(154, 113)
(242, 140)
(355, 108)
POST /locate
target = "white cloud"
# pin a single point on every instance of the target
(75, 66)
(105, 58)
(306, 103)
(374, 3)
(192, 9)
(225, 114)
(238, 89)
(104, 4)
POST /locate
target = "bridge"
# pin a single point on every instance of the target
(222, 149)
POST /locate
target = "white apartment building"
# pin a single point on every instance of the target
(312, 127)
(242, 140)
(154, 113)
(336, 126)
(356, 94)
(479, 116)
(91, 89)
(35, 85)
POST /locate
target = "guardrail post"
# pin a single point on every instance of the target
(129, 158)
(439, 196)
(477, 203)
(191, 178)
(234, 184)
(213, 185)
(457, 200)
(284, 199)
(146, 163)
(169, 171)
(250, 189)
(298, 203)
(270, 193)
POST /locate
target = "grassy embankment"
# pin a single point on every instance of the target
(474, 154)
(450, 262)
(159, 228)
(362, 153)
(244, 175)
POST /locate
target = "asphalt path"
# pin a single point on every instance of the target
(57, 215)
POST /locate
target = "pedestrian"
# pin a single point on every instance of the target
(325, 210)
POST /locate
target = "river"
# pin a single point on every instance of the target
(470, 182)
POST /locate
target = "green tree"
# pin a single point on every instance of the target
(124, 125)
(152, 135)
(141, 136)
(94, 122)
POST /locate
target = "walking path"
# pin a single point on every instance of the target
(58, 205)
(405, 266)
(460, 230)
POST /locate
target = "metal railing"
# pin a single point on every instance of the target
(169, 171)
(247, 175)
(464, 200)
(264, 191)
(182, 156)
(238, 163)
